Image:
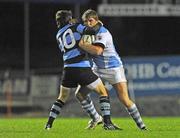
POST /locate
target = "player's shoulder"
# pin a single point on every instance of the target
(60, 31)
(103, 30)
(77, 24)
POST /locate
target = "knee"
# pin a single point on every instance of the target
(63, 97)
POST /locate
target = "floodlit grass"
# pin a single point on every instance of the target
(165, 127)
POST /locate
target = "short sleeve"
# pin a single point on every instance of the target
(100, 38)
(80, 28)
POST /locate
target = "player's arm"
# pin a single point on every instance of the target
(84, 30)
(92, 30)
(94, 49)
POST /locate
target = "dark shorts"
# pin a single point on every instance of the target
(73, 76)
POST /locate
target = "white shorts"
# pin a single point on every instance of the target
(111, 75)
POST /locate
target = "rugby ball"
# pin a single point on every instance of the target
(88, 38)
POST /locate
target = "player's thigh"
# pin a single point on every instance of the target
(112, 75)
(86, 76)
(69, 78)
(68, 84)
(92, 81)
(121, 87)
(122, 93)
(64, 93)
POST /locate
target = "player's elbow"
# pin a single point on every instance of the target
(98, 51)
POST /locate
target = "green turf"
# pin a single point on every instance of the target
(74, 128)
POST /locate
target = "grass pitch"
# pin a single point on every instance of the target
(164, 127)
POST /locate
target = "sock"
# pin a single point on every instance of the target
(89, 108)
(133, 111)
(55, 110)
(105, 109)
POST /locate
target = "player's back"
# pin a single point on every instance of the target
(109, 58)
(68, 38)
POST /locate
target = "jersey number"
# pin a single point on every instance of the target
(63, 40)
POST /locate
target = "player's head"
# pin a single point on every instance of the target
(90, 18)
(63, 17)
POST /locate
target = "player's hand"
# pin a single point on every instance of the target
(83, 42)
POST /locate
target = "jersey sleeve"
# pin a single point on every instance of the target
(80, 28)
(92, 30)
(101, 40)
(88, 30)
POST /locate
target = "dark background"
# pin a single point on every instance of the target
(34, 90)
(133, 36)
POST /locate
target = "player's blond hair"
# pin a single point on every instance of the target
(90, 14)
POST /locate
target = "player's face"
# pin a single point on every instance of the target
(91, 22)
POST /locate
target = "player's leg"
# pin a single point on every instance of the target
(87, 105)
(100, 89)
(67, 85)
(57, 106)
(89, 79)
(120, 85)
(117, 78)
(122, 92)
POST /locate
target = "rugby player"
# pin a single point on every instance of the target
(108, 66)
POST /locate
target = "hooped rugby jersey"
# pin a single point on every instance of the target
(68, 38)
(109, 58)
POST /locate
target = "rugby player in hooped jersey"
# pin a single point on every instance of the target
(77, 69)
(108, 66)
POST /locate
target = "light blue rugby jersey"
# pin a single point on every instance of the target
(109, 57)
(68, 38)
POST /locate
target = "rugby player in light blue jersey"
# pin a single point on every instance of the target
(108, 66)
(77, 69)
